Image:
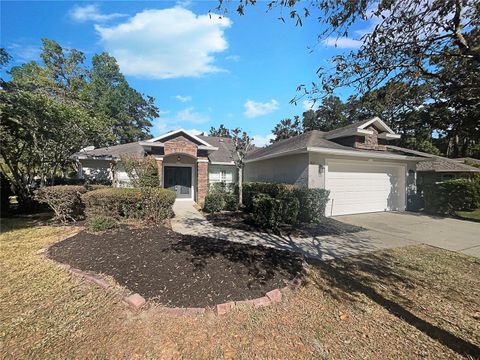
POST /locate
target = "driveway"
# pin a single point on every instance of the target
(446, 233)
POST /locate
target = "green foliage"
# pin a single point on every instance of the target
(289, 207)
(231, 201)
(142, 170)
(5, 193)
(223, 187)
(64, 200)
(451, 196)
(250, 189)
(214, 202)
(266, 211)
(313, 203)
(154, 204)
(101, 223)
(286, 129)
(329, 115)
(222, 131)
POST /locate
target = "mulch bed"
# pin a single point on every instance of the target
(179, 270)
(243, 221)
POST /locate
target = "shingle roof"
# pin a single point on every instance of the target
(224, 145)
(114, 151)
(437, 163)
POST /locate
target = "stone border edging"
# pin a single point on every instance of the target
(136, 301)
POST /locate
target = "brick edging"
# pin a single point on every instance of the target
(136, 301)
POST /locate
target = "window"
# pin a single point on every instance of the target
(223, 175)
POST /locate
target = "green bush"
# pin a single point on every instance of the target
(153, 204)
(289, 207)
(231, 202)
(313, 203)
(251, 189)
(451, 196)
(223, 187)
(101, 223)
(91, 187)
(142, 170)
(266, 211)
(214, 202)
(64, 200)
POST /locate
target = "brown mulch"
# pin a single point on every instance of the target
(243, 221)
(179, 270)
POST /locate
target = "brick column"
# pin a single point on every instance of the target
(159, 161)
(202, 179)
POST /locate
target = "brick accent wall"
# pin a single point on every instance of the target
(180, 144)
(202, 180)
(160, 171)
(367, 142)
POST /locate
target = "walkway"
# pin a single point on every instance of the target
(189, 221)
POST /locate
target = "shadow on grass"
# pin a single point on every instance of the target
(366, 274)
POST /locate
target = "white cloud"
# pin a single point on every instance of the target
(190, 115)
(168, 43)
(183, 98)
(254, 109)
(309, 105)
(261, 141)
(91, 13)
(234, 58)
(195, 131)
(343, 42)
(23, 53)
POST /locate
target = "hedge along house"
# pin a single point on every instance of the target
(187, 163)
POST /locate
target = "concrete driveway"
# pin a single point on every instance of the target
(450, 234)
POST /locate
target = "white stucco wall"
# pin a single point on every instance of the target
(95, 169)
(292, 169)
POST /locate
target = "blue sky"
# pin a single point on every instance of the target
(240, 71)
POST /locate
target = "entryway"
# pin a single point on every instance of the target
(180, 180)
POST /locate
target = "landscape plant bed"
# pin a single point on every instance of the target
(179, 270)
(243, 221)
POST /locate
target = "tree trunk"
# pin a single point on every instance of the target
(240, 186)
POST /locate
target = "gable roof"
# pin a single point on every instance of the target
(178, 131)
(225, 149)
(437, 163)
(360, 128)
(112, 152)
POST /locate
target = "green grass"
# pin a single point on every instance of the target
(470, 215)
(349, 308)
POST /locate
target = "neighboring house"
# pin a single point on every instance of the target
(439, 168)
(355, 163)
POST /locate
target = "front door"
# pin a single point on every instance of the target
(179, 179)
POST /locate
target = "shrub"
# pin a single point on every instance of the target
(223, 187)
(231, 202)
(64, 200)
(142, 171)
(214, 202)
(91, 187)
(313, 203)
(451, 196)
(153, 204)
(266, 211)
(251, 189)
(290, 207)
(101, 223)
(5, 193)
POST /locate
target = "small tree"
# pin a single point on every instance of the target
(242, 144)
(142, 171)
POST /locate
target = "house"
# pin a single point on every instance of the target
(362, 172)
(438, 168)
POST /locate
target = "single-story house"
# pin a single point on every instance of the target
(362, 172)
(437, 168)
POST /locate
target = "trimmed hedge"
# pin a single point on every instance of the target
(231, 202)
(251, 189)
(101, 223)
(313, 203)
(64, 200)
(272, 204)
(450, 196)
(154, 204)
(214, 202)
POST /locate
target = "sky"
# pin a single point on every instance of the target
(240, 71)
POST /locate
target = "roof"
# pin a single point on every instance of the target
(361, 128)
(114, 151)
(437, 163)
(468, 159)
(225, 148)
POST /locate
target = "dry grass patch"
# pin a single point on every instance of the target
(352, 308)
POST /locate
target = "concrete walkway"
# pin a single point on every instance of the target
(189, 221)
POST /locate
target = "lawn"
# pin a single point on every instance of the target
(414, 302)
(470, 215)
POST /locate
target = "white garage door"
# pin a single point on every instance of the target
(361, 187)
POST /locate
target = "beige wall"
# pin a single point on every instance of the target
(292, 169)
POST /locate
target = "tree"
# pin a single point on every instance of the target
(222, 131)
(329, 115)
(242, 145)
(142, 170)
(286, 129)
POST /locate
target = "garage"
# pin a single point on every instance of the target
(363, 186)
